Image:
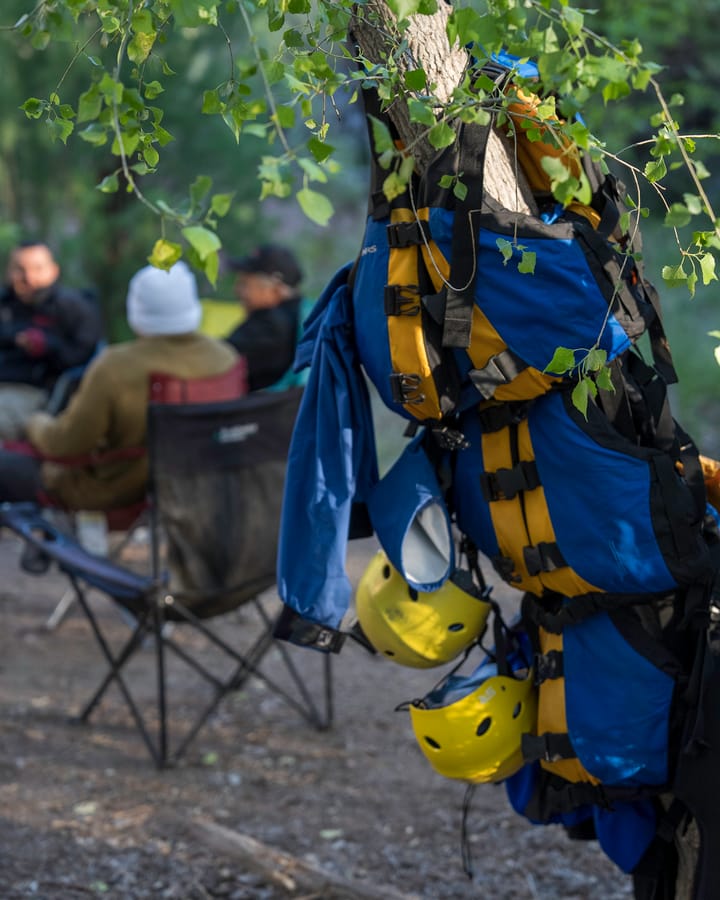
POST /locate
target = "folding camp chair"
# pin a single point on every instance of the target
(163, 388)
(216, 479)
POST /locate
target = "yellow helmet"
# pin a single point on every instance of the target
(471, 728)
(414, 628)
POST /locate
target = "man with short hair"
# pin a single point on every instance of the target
(45, 328)
(268, 286)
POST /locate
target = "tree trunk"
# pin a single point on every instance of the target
(374, 31)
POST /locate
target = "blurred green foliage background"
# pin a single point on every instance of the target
(49, 189)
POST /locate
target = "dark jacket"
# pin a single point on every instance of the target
(65, 328)
(267, 340)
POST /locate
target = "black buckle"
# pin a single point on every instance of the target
(402, 300)
(505, 567)
(404, 387)
(548, 666)
(505, 484)
(449, 438)
(543, 557)
(401, 235)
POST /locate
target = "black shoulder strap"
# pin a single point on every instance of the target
(472, 142)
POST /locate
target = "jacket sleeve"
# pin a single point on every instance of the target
(74, 341)
(331, 465)
(83, 426)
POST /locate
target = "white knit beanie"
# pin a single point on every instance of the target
(160, 302)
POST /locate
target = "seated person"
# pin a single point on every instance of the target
(267, 285)
(109, 410)
(45, 328)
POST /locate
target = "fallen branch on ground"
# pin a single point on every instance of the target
(293, 874)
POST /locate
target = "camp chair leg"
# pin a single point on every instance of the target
(158, 623)
(62, 608)
(115, 663)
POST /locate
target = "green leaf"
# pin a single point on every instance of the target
(199, 189)
(441, 135)
(677, 216)
(393, 186)
(165, 254)
(151, 156)
(656, 170)
(138, 49)
(596, 359)
(33, 107)
(220, 204)
(527, 262)
(404, 8)
(421, 112)
(319, 149)
(563, 361)
(707, 267)
(416, 80)
(674, 276)
(316, 206)
(202, 240)
(604, 380)
(59, 129)
(506, 249)
(89, 105)
(583, 390)
(153, 89)
(109, 184)
(382, 139)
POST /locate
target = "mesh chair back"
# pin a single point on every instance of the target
(217, 479)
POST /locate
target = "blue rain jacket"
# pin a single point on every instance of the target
(332, 463)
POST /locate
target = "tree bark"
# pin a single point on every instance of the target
(375, 33)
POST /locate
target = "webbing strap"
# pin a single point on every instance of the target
(548, 666)
(543, 557)
(549, 747)
(496, 417)
(499, 369)
(504, 484)
(472, 141)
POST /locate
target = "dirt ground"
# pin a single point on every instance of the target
(84, 813)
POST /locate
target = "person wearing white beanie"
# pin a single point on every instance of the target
(163, 302)
(109, 410)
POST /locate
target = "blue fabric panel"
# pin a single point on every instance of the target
(331, 463)
(625, 831)
(607, 537)
(407, 488)
(617, 705)
(559, 305)
(520, 788)
(471, 508)
(371, 325)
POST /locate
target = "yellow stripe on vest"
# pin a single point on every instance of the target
(408, 353)
(524, 520)
(552, 718)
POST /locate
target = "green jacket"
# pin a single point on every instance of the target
(109, 412)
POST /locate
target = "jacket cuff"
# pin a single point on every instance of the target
(290, 626)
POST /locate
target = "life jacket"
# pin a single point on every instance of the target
(444, 319)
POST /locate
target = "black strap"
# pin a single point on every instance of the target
(504, 484)
(500, 369)
(472, 141)
(543, 557)
(549, 747)
(496, 416)
(548, 666)
(290, 626)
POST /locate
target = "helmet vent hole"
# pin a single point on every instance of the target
(412, 593)
(483, 726)
(456, 626)
(386, 572)
(389, 652)
(517, 710)
(432, 743)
